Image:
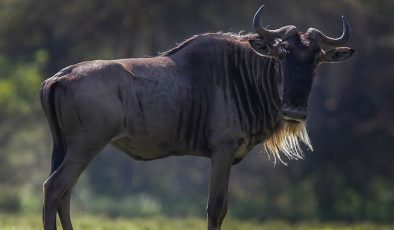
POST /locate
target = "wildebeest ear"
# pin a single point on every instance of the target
(337, 55)
(260, 46)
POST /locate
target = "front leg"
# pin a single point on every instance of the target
(221, 162)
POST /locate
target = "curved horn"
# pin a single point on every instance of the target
(322, 38)
(270, 34)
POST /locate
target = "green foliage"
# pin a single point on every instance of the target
(381, 205)
(9, 200)
(19, 86)
(23, 134)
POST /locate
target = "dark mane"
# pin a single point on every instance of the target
(229, 36)
(179, 46)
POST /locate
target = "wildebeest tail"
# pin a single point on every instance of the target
(49, 106)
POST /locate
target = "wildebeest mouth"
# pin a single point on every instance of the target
(294, 114)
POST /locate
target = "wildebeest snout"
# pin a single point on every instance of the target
(294, 113)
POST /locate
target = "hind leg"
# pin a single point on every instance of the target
(57, 188)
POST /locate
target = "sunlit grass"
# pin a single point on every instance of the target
(33, 222)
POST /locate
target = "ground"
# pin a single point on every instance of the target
(32, 222)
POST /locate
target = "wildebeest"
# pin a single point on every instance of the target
(215, 95)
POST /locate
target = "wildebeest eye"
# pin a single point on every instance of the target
(264, 48)
(339, 54)
(261, 46)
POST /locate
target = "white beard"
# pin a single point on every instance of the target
(286, 139)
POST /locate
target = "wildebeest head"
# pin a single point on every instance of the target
(298, 55)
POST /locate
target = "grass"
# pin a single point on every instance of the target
(32, 222)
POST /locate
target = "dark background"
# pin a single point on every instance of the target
(348, 177)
